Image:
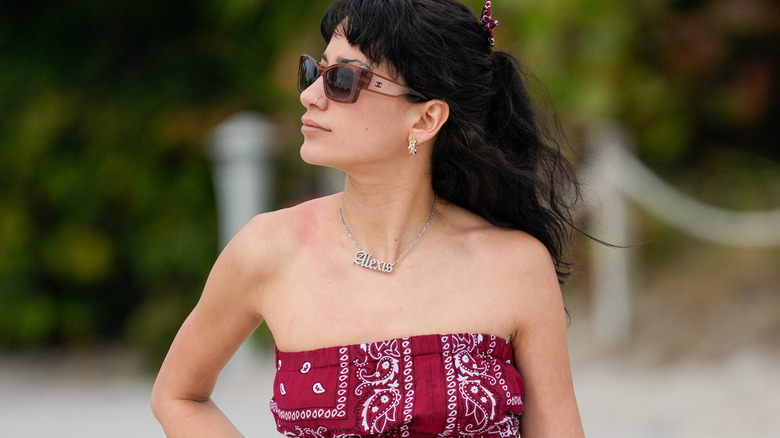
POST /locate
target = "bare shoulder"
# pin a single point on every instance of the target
(509, 253)
(290, 222)
(526, 267)
(271, 239)
(513, 267)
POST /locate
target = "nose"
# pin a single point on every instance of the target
(314, 95)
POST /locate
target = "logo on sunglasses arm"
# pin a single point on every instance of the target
(378, 84)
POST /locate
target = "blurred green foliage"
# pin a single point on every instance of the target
(107, 218)
(107, 221)
(695, 82)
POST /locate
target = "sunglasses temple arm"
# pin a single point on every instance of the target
(381, 85)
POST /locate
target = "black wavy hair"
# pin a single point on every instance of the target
(493, 156)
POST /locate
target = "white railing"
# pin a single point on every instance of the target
(617, 176)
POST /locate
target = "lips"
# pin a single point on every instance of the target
(311, 127)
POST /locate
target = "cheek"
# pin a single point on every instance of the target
(381, 126)
(378, 135)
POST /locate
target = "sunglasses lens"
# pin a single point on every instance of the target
(340, 83)
(307, 74)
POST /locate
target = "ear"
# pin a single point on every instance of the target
(431, 116)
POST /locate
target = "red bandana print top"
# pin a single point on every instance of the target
(462, 385)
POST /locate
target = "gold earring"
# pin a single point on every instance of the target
(413, 147)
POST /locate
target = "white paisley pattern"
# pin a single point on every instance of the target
(480, 403)
(379, 390)
(339, 411)
(467, 382)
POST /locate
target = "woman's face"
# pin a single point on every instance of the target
(372, 131)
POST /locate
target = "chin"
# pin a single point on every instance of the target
(308, 154)
(316, 156)
(336, 156)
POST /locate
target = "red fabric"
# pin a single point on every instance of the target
(422, 386)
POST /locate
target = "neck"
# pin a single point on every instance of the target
(385, 221)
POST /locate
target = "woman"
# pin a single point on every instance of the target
(424, 299)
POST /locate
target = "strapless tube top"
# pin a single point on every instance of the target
(461, 385)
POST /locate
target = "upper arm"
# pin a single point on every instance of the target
(225, 316)
(541, 352)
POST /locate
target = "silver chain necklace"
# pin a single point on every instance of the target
(366, 260)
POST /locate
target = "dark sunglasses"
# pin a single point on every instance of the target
(343, 82)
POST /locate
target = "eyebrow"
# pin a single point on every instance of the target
(342, 60)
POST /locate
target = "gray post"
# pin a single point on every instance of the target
(611, 267)
(241, 149)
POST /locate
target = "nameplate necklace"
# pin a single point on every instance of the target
(367, 260)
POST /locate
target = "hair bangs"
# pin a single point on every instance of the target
(374, 26)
